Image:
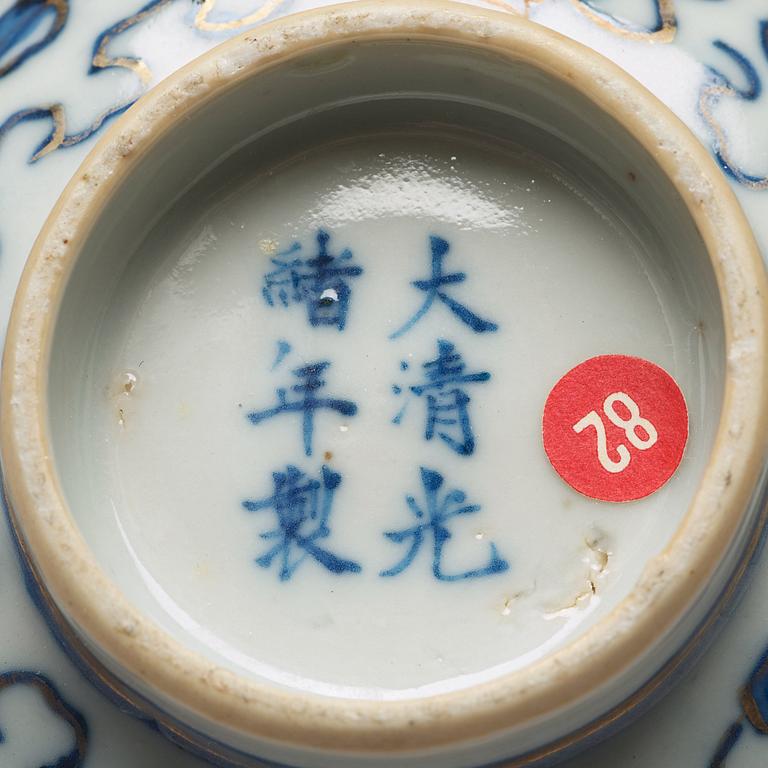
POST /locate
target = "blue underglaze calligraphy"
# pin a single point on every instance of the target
(302, 507)
(446, 399)
(433, 288)
(432, 520)
(754, 704)
(55, 114)
(307, 402)
(320, 283)
(283, 350)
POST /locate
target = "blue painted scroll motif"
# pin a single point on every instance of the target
(75, 757)
(432, 520)
(30, 26)
(662, 30)
(302, 507)
(19, 24)
(720, 86)
(447, 402)
(320, 283)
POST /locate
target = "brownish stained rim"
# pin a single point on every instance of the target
(714, 523)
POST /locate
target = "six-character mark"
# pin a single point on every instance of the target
(302, 501)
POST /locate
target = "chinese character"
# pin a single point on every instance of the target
(434, 521)
(318, 283)
(307, 403)
(432, 288)
(447, 406)
(303, 509)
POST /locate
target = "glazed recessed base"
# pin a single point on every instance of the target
(172, 352)
(204, 327)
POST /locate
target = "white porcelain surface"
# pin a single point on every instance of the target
(193, 335)
(701, 708)
(191, 331)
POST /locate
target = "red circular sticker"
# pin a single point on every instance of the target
(615, 427)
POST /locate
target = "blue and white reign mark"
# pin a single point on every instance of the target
(302, 507)
(446, 399)
(307, 402)
(434, 288)
(432, 522)
(320, 283)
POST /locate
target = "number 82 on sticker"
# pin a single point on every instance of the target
(632, 434)
(630, 426)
